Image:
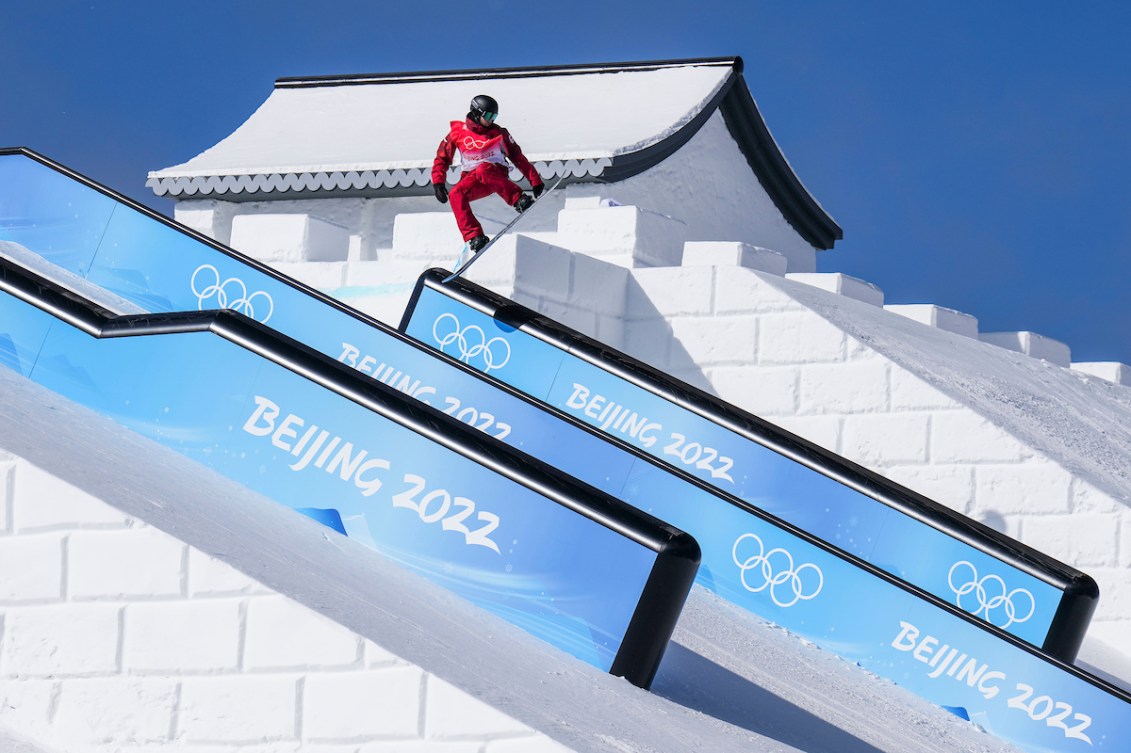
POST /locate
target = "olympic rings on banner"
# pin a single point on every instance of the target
(989, 594)
(774, 569)
(470, 342)
(212, 293)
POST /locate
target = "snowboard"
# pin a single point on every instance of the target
(462, 266)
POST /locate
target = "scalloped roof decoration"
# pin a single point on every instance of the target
(376, 135)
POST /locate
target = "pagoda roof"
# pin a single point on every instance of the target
(376, 134)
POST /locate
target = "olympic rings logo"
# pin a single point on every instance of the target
(993, 600)
(471, 143)
(775, 570)
(228, 294)
(470, 342)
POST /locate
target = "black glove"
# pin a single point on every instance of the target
(538, 189)
(441, 192)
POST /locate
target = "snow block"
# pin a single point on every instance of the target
(1112, 371)
(886, 438)
(289, 238)
(598, 286)
(799, 338)
(127, 711)
(538, 269)
(211, 218)
(1031, 344)
(685, 291)
(1087, 540)
(132, 562)
(373, 704)
(282, 634)
(1023, 489)
(733, 254)
(762, 391)
(648, 339)
(841, 284)
(76, 638)
(937, 317)
(625, 235)
(195, 635)
(583, 202)
(238, 709)
(847, 388)
(712, 341)
(32, 567)
(432, 236)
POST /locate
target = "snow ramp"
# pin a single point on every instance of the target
(505, 530)
(245, 371)
(836, 525)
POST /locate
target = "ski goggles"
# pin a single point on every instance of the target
(489, 116)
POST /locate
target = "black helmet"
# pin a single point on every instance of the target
(484, 105)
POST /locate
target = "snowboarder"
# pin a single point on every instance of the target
(484, 149)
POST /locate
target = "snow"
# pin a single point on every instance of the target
(729, 681)
(354, 127)
(35, 263)
(1083, 423)
(13, 743)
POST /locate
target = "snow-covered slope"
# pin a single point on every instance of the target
(728, 682)
(1036, 450)
(1082, 422)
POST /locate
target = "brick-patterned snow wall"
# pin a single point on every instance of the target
(115, 636)
(730, 331)
(698, 301)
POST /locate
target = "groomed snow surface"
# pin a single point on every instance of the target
(728, 682)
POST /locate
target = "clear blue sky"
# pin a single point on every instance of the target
(977, 154)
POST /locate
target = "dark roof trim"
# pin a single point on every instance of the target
(628, 165)
(798, 206)
(497, 73)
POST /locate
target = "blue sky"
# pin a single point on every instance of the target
(977, 154)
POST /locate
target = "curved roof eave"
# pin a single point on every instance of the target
(766, 159)
(732, 99)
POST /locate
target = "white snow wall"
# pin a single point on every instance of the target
(724, 296)
(117, 636)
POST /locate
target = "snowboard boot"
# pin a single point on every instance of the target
(524, 202)
(477, 243)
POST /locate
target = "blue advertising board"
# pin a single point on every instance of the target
(423, 489)
(811, 489)
(161, 268)
(751, 557)
(815, 587)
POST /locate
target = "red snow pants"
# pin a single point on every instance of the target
(483, 181)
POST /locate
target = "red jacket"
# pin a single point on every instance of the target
(478, 145)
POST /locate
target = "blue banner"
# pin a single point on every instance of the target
(160, 268)
(749, 557)
(944, 655)
(906, 547)
(492, 540)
